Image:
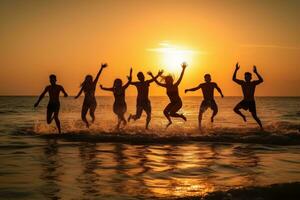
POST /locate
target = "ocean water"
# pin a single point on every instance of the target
(102, 163)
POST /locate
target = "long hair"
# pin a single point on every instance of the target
(87, 83)
(167, 78)
(117, 83)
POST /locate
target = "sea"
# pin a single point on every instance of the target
(133, 163)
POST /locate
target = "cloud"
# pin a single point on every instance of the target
(165, 47)
(270, 46)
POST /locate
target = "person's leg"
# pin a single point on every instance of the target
(92, 111)
(237, 111)
(200, 120)
(148, 112)
(116, 111)
(175, 108)
(252, 109)
(122, 117)
(201, 111)
(49, 115)
(167, 115)
(254, 115)
(56, 119)
(138, 114)
(118, 124)
(84, 111)
(120, 110)
(214, 108)
(124, 109)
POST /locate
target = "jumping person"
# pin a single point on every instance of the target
(142, 100)
(172, 91)
(248, 87)
(120, 106)
(54, 104)
(208, 97)
(89, 103)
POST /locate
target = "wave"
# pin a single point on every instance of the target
(9, 111)
(286, 191)
(144, 137)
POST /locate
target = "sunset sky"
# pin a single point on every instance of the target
(72, 38)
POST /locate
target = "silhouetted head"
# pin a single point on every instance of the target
(117, 83)
(141, 76)
(52, 78)
(248, 76)
(88, 81)
(169, 80)
(207, 78)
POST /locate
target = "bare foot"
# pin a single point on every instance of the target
(212, 119)
(129, 118)
(183, 117)
(200, 129)
(244, 118)
(168, 124)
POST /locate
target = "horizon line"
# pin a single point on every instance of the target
(156, 96)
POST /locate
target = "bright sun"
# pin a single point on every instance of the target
(173, 56)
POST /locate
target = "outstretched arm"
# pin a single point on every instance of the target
(129, 79)
(105, 88)
(156, 81)
(260, 79)
(79, 93)
(103, 65)
(182, 73)
(237, 67)
(133, 83)
(153, 78)
(219, 90)
(192, 89)
(41, 96)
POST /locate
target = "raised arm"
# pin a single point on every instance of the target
(133, 83)
(79, 93)
(182, 73)
(41, 96)
(153, 78)
(193, 89)
(63, 91)
(129, 80)
(103, 65)
(106, 89)
(219, 90)
(260, 79)
(156, 81)
(237, 67)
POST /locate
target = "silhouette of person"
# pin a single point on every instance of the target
(89, 103)
(248, 88)
(54, 104)
(142, 101)
(172, 91)
(208, 97)
(120, 106)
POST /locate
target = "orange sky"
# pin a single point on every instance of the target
(71, 39)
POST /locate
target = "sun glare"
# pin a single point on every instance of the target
(173, 56)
